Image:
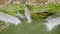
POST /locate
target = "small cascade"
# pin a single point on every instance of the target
(27, 14)
(9, 18)
(52, 22)
(20, 15)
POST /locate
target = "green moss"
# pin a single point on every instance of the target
(12, 9)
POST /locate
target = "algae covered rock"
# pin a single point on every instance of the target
(43, 15)
(12, 9)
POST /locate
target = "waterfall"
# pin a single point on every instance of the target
(52, 22)
(27, 14)
(20, 15)
(9, 18)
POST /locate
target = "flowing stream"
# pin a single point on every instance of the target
(27, 14)
(52, 22)
(9, 18)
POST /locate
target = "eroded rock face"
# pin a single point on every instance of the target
(42, 15)
(29, 2)
(2, 26)
(41, 2)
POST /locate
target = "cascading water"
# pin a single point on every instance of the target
(52, 22)
(27, 14)
(20, 15)
(9, 18)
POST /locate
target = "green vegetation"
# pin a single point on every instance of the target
(50, 8)
(41, 12)
(12, 9)
(37, 13)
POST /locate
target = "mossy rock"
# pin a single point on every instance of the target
(12, 9)
(43, 15)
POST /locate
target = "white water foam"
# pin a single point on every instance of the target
(52, 22)
(9, 18)
(27, 14)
